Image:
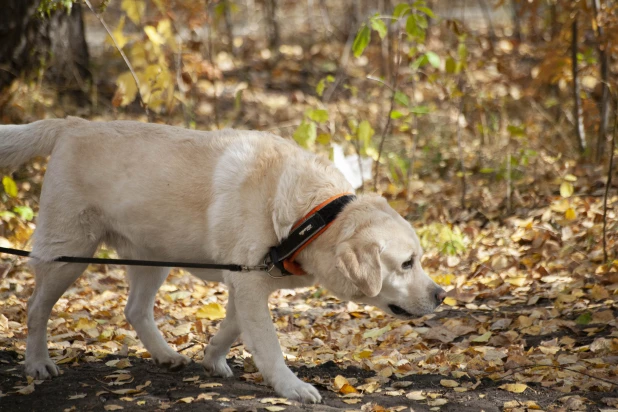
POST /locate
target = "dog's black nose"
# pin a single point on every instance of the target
(440, 294)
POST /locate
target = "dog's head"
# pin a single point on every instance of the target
(376, 259)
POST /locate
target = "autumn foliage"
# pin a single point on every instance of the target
(476, 134)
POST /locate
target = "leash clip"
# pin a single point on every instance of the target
(261, 268)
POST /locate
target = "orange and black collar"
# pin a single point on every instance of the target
(305, 231)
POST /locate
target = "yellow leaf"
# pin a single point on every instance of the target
(274, 401)
(450, 301)
(364, 354)
(118, 35)
(570, 214)
(340, 381)
(347, 388)
(449, 383)
(127, 89)
(84, 324)
(446, 279)
(274, 408)
(134, 8)
(374, 333)
(516, 280)
(483, 338)
(26, 390)
(212, 311)
(113, 407)
(566, 189)
(153, 35)
(416, 396)
(210, 385)
(192, 379)
(514, 387)
(188, 399)
(10, 188)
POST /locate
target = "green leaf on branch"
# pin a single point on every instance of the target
(306, 134)
(396, 114)
(401, 10)
(419, 110)
(361, 41)
(319, 89)
(419, 62)
(427, 11)
(365, 132)
(378, 25)
(10, 188)
(450, 65)
(25, 212)
(318, 115)
(433, 59)
(401, 98)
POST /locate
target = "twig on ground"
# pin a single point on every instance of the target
(124, 57)
(565, 369)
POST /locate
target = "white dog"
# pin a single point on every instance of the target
(166, 193)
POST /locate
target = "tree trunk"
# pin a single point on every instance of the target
(578, 110)
(602, 46)
(272, 25)
(55, 44)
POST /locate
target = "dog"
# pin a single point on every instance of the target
(159, 192)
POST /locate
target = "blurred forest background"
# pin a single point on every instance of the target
(490, 125)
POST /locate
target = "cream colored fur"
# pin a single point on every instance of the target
(166, 193)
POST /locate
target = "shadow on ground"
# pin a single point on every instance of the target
(83, 387)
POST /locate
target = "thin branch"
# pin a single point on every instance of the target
(124, 57)
(211, 60)
(604, 103)
(390, 111)
(382, 82)
(608, 183)
(462, 168)
(578, 110)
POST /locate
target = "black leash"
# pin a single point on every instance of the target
(135, 262)
(308, 228)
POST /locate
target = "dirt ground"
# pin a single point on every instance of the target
(79, 388)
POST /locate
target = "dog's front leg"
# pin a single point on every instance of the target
(259, 335)
(215, 353)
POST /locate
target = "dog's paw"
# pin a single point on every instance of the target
(299, 391)
(41, 369)
(217, 367)
(173, 362)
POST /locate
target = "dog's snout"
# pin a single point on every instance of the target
(440, 294)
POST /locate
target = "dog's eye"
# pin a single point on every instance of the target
(408, 264)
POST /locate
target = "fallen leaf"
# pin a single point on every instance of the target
(78, 396)
(514, 387)
(211, 311)
(449, 383)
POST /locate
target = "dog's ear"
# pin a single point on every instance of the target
(361, 265)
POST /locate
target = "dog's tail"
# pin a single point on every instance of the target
(19, 143)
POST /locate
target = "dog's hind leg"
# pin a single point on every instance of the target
(52, 280)
(215, 353)
(143, 286)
